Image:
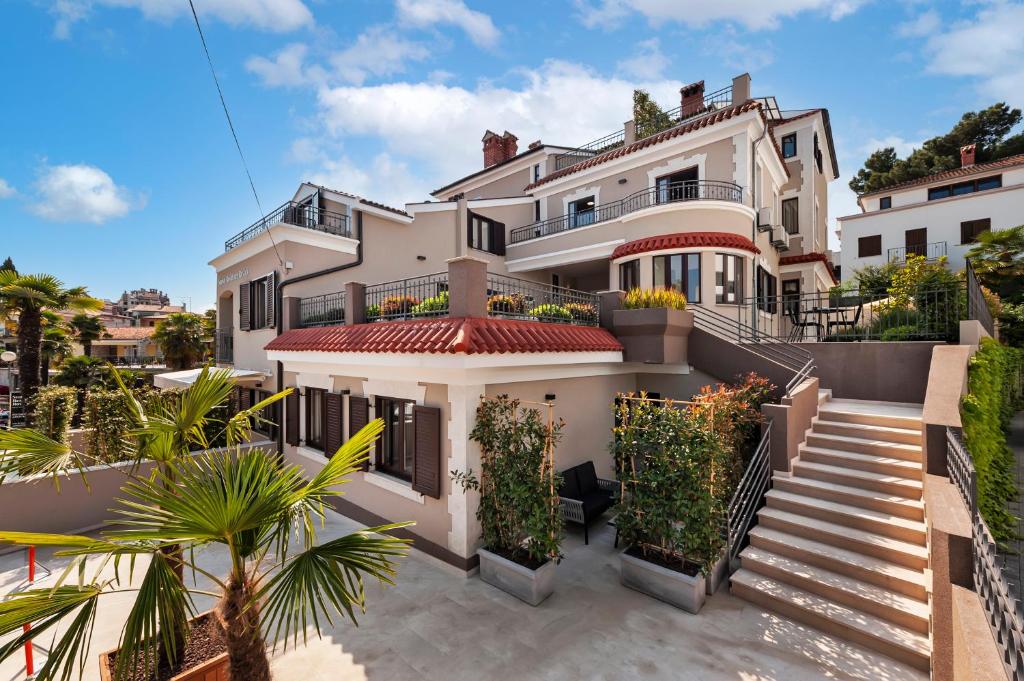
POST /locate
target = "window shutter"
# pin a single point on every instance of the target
(291, 414)
(358, 417)
(426, 467)
(498, 238)
(243, 306)
(244, 398)
(271, 300)
(332, 424)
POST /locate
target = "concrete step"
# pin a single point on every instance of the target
(877, 414)
(876, 482)
(854, 496)
(873, 463)
(849, 623)
(863, 445)
(824, 395)
(904, 529)
(909, 436)
(893, 550)
(870, 598)
(882, 573)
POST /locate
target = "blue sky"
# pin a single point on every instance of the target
(117, 169)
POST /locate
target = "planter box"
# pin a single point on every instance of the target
(653, 335)
(530, 586)
(685, 592)
(214, 669)
(719, 574)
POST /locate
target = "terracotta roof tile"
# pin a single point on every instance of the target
(449, 335)
(128, 333)
(809, 257)
(976, 169)
(686, 240)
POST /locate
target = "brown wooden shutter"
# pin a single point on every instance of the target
(243, 306)
(244, 398)
(291, 415)
(498, 238)
(271, 298)
(358, 417)
(426, 466)
(332, 424)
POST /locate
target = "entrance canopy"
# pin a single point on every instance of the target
(183, 379)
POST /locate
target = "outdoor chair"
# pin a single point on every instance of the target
(584, 496)
(798, 324)
(845, 323)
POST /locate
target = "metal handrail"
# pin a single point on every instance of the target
(932, 251)
(299, 215)
(749, 494)
(322, 310)
(514, 298)
(977, 306)
(690, 190)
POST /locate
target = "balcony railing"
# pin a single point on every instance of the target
(224, 346)
(299, 215)
(424, 296)
(713, 102)
(932, 251)
(977, 305)
(691, 190)
(514, 298)
(322, 310)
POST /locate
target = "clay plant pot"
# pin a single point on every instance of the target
(656, 335)
(213, 669)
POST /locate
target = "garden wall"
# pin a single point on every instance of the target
(871, 370)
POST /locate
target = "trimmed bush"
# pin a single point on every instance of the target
(584, 313)
(550, 312)
(52, 411)
(393, 306)
(431, 306)
(501, 303)
(644, 298)
(108, 426)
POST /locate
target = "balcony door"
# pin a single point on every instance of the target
(917, 242)
(679, 186)
(581, 212)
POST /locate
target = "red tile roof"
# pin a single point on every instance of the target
(685, 240)
(977, 168)
(718, 116)
(809, 257)
(128, 332)
(449, 335)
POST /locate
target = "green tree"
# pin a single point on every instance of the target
(998, 259)
(56, 346)
(180, 338)
(647, 115)
(8, 265)
(988, 129)
(26, 296)
(87, 328)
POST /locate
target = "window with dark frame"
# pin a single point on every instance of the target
(728, 279)
(791, 215)
(629, 275)
(767, 291)
(789, 146)
(817, 154)
(970, 229)
(260, 298)
(868, 246)
(315, 407)
(791, 297)
(679, 272)
(536, 172)
(581, 211)
(967, 187)
(271, 414)
(396, 447)
(486, 234)
(536, 210)
(885, 203)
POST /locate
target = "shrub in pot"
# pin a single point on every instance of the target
(651, 298)
(431, 306)
(501, 303)
(52, 411)
(653, 326)
(584, 313)
(394, 306)
(519, 508)
(549, 312)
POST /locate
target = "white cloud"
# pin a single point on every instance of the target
(924, 24)
(902, 146)
(753, 14)
(286, 68)
(384, 179)
(477, 26)
(378, 51)
(6, 190)
(81, 193)
(648, 62)
(988, 48)
(269, 15)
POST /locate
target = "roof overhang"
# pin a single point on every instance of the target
(184, 379)
(281, 233)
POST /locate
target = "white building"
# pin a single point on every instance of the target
(934, 216)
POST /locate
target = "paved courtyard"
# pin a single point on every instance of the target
(437, 624)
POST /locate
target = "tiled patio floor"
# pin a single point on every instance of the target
(438, 625)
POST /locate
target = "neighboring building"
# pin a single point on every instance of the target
(934, 216)
(149, 315)
(728, 202)
(132, 346)
(142, 296)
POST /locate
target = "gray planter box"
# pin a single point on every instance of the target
(529, 586)
(653, 335)
(719, 574)
(675, 588)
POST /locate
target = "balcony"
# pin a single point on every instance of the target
(322, 310)
(931, 252)
(297, 215)
(677, 192)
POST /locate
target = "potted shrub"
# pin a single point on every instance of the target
(506, 304)
(396, 307)
(653, 326)
(550, 312)
(432, 306)
(262, 511)
(519, 509)
(582, 313)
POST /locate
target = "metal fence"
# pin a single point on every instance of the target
(691, 190)
(298, 214)
(932, 251)
(224, 346)
(514, 298)
(977, 306)
(322, 310)
(749, 495)
(1003, 608)
(423, 296)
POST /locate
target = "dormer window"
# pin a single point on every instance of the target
(885, 203)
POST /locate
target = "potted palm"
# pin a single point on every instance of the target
(653, 326)
(519, 508)
(261, 511)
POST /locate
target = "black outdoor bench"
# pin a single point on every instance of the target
(584, 496)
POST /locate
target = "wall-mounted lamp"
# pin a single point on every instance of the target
(421, 257)
(550, 397)
(623, 180)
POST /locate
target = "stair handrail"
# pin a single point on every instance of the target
(749, 494)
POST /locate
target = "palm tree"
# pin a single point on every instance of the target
(998, 258)
(56, 346)
(249, 502)
(87, 328)
(180, 337)
(25, 296)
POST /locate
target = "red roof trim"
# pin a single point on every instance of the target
(685, 240)
(809, 257)
(449, 335)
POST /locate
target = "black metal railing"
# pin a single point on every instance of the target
(423, 296)
(322, 310)
(299, 215)
(693, 190)
(714, 101)
(928, 314)
(224, 346)
(977, 306)
(514, 298)
(1003, 609)
(930, 252)
(749, 495)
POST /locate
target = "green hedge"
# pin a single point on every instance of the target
(52, 411)
(986, 411)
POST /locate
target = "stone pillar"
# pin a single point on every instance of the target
(609, 302)
(692, 98)
(467, 287)
(630, 130)
(741, 88)
(355, 303)
(290, 313)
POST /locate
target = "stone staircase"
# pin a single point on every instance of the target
(841, 544)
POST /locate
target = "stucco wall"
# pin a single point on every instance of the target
(893, 372)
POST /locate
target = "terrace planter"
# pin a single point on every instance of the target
(212, 669)
(676, 588)
(656, 335)
(529, 586)
(719, 574)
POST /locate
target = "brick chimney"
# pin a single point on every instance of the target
(967, 155)
(511, 144)
(494, 149)
(692, 98)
